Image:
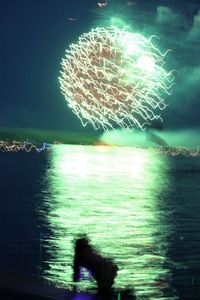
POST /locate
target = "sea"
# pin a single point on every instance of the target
(138, 207)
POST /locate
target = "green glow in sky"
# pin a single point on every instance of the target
(113, 195)
(119, 23)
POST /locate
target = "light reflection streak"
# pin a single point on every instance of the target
(115, 196)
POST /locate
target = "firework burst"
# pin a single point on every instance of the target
(112, 77)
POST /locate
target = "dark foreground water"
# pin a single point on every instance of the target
(140, 208)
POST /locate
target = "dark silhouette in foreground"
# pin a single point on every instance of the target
(102, 269)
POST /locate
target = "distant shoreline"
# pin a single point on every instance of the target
(45, 136)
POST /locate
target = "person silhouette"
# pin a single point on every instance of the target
(102, 269)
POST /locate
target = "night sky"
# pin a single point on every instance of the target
(35, 34)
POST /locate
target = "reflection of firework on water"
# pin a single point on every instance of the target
(111, 76)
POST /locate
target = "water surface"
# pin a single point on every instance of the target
(137, 207)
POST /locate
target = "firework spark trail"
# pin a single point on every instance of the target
(111, 76)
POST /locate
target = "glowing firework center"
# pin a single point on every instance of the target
(114, 77)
